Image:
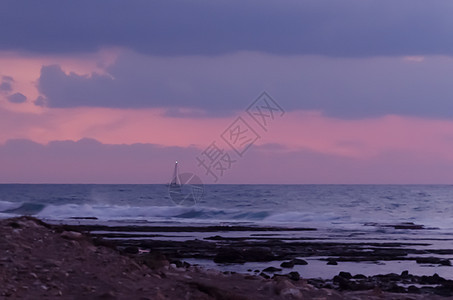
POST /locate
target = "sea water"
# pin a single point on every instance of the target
(320, 206)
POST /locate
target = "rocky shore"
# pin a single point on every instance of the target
(38, 260)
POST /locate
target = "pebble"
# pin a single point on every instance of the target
(292, 292)
(272, 269)
(71, 235)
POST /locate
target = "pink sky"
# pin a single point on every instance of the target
(303, 146)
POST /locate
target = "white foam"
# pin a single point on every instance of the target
(110, 212)
(5, 205)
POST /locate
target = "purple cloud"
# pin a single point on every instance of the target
(346, 88)
(6, 84)
(351, 28)
(17, 98)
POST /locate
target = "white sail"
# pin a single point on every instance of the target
(175, 180)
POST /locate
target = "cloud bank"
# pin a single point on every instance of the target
(349, 28)
(346, 88)
(88, 161)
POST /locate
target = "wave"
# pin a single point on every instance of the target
(5, 205)
(184, 214)
(21, 208)
(181, 214)
(302, 217)
(151, 213)
(106, 212)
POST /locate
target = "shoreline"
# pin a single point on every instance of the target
(75, 260)
(245, 244)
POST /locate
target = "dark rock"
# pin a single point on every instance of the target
(287, 264)
(362, 286)
(442, 291)
(293, 262)
(131, 250)
(155, 260)
(332, 262)
(407, 225)
(298, 261)
(343, 283)
(387, 278)
(229, 255)
(359, 276)
(180, 264)
(433, 260)
(294, 276)
(272, 270)
(393, 277)
(448, 284)
(264, 275)
(316, 282)
(405, 273)
(216, 237)
(445, 262)
(394, 288)
(14, 225)
(413, 289)
(186, 264)
(258, 254)
(346, 275)
(435, 279)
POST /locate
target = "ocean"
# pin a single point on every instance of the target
(322, 206)
(418, 214)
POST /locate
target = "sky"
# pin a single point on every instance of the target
(250, 91)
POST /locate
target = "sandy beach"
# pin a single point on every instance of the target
(38, 260)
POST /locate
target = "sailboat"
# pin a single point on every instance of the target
(175, 180)
(186, 192)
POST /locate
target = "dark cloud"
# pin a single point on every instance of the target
(205, 86)
(177, 27)
(40, 101)
(136, 82)
(5, 87)
(6, 84)
(181, 113)
(7, 79)
(17, 98)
